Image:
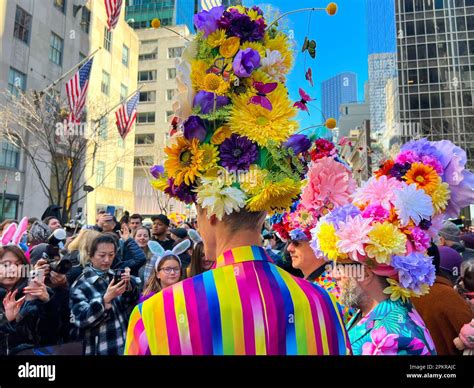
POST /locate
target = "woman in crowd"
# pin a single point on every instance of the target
(167, 272)
(199, 263)
(141, 236)
(78, 252)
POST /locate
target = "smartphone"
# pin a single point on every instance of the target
(36, 277)
(118, 275)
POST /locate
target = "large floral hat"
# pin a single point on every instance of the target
(237, 145)
(396, 214)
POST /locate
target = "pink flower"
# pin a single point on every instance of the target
(381, 344)
(435, 163)
(417, 347)
(416, 318)
(329, 182)
(420, 239)
(353, 235)
(406, 157)
(376, 212)
(378, 191)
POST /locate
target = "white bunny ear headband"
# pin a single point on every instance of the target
(194, 236)
(159, 252)
(14, 233)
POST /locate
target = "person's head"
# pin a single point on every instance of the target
(467, 274)
(450, 263)
(468, 240)
(102, 252)
(160, 225)
(178, 234)
(4, 225)
(53, 223)
(31, 221)
(449, 234)
(166, 273)
(12, 259)
(187, 225)
(83, 244)
(303, 257)
(212, 229)
(141, 236)
(135, 221)
(107, 222)
(38, 233)
(199, 262)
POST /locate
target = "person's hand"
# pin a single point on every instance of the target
(104, 218)
(43, 265)
(37, 291)
(12, 306)
(58, 279)
(113, 291)
(126, 278)
(125, 232)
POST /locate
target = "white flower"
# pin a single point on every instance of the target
(219, 199)
(273, 65)
(412, 203)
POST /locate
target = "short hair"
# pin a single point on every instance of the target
(244, 219)
(15, 250)
(136, 215)
(104, 238)
(49, 218)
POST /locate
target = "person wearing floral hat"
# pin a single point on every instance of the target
(388, 229)
(237, 157)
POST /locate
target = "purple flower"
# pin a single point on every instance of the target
(183, 192)
(245, 62)
(194, 128)
(157, 171)
(206, 101)
(414, 270)
(207, 21)
(421, 148)
(425, 224)
(420, 239)
(398, 171)
(299, 235)
(237, 24)
(298, 143)
(237, 153)
(340, 214)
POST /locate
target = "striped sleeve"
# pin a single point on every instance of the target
(137, 341)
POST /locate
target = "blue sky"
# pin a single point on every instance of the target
(341, 46)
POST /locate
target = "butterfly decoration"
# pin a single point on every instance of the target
(309, 76)
(345, 141)
(327, 207)
(174, 126)
(302, 104)
(309, 45)
(220, 68)
(262, 91)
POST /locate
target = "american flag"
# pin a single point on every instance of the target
(76, 90)
(113, 8)
(126, 115)
(208, 4)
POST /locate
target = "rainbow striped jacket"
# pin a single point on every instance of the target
(246, 305)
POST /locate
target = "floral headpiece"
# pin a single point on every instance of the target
(235, 147)
(397, 212)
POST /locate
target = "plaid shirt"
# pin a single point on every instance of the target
(103, 331)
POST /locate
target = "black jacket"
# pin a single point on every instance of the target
(129, 255)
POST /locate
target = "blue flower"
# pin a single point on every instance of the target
(340, 214)
(414, 270)
(422, 147)
(411, 203)
(298, 235)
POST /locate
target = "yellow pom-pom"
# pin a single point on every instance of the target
(156, 23)
(331, 123)
(212, 81)
(331, 9)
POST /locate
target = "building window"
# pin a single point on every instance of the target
(145, 118)
(147, 57)
(170, 93)
(140, 161)
(125, 52)
(149, 96)
(107, 39)
(103, 124)
(56, 49)
(119, 178)
(123, 92)
(10, 155)
(10, 206)
(149, 75)
(105, 86)
(60, 5)
(149, 41)
(100, 173)
(85, 19)
(470, 22)
(16, 81)
(172, 73)
(22, 25)
(175, 52)
(145, 138)
(169, 115)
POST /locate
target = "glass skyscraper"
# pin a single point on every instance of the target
(337, 90)
(436, 70)
(381, 26)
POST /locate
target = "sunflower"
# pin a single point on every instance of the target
(210, 157)
(275, 196)
(184, 160)
(259, 124)
(216, 38)
(440, 197)
(425, 177)
(209, 82)
(256, 46)
(281, 43)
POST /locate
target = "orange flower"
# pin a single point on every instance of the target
(425, 177)
(385, 168)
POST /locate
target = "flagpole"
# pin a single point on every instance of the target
(70, 70)
(3, 196)
(120, 103)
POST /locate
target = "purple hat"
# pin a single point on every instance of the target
(468, 239)
(449, 259)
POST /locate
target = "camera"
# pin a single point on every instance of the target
(51, 252)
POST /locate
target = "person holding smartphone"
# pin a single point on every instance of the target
(24, 299)
(100, 303)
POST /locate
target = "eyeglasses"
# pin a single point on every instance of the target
(168, 270)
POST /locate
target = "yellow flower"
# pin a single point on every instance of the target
(281, 43)
(239, 8)
(259, 124)
(202, 80)
(221, 134)
(396, 291)
(216, 38)
(229, 47)
(256, 46)
(210, 157)
(328, 239)
(274, 196)
(159, 184)
(440, 197)
(253, 14)
(184, 160)
(252, 179)
(425, 177)
(385, 240)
